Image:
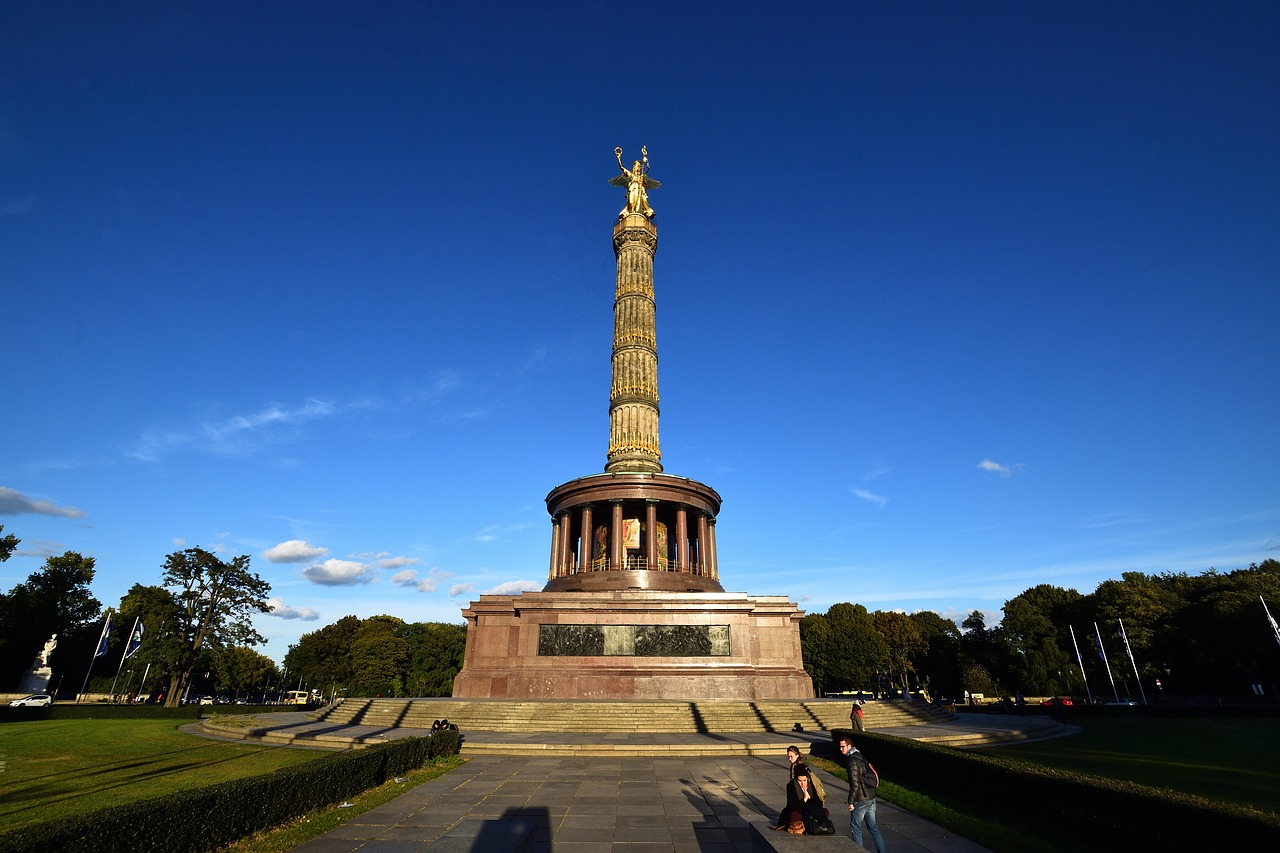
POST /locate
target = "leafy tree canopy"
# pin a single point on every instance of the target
(213, 604)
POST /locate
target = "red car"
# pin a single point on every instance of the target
(1065, 700)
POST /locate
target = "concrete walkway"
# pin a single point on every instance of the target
(613, 805)
(620, 793)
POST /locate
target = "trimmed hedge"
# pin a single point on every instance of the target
(108, 711)
(204, 818)
(104, 711)
(1104, 813)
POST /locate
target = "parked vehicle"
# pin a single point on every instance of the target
(34, 700)
(1123, 702)
(1065, 700)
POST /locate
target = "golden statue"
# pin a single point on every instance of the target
(636, 180)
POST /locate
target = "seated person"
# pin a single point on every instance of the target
(797, 763)
(803, 804)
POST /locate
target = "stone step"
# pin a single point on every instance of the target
(623, 717)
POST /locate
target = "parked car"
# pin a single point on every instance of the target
(34, 700)
(206, 700)
(1123, 702)
(1065, 700)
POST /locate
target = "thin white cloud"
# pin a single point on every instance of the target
(294, 551)
(461, 589)
(232, 436)
(514, 588)
(38, 548)
(998, 468)
(495, 532)
(396, 562)
(878, 469)
(284, 611)
(869, 497)
(334, 572)
(13, 502)
(409, 578)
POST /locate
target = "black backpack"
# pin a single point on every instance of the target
(868, 778)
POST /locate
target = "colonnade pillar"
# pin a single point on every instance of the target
(651, 535)
(682, 540)
(617, 554)
(566, 543)
(586, 543)
(554, 570)
(704, 558)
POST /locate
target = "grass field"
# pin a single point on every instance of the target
(1230, 759)
(55, 768)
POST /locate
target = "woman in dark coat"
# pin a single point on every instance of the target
(803, 804)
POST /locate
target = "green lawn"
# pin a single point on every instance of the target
(1230, 759)
(54, 768)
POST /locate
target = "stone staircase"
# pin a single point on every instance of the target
(641, 717)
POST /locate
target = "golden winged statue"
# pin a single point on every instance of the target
(637, 181)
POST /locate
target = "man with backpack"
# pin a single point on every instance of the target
(863, 781)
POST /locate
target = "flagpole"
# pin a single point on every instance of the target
(1132, 662)
(1270, 618)
(99, 650)
(125, 655)
(1102, 652)
(144, 679)
(1087, 692)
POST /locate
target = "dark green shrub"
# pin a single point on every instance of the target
(1113, 814)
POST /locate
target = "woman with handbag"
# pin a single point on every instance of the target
(804, 813)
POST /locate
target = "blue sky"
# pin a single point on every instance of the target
(953, 299)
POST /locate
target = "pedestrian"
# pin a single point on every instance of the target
(804, 813)
(1021, 702)
(863, 781)
(855, 715)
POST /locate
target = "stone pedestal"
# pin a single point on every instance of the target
(36, 680)
(626, 644)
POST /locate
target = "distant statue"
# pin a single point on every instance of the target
(637, 181)
(46, 652)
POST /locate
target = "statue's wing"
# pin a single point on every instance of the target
(620, 181)
(650, 183)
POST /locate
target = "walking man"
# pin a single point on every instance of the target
(863, 781)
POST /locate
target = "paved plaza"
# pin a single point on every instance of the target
(700, 804)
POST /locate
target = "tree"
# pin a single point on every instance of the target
(214, 602)
(903, 643)
(976, 679)
(815, 645)
(7, 545)
(1223, 639)
(855, 650)
(436, 651)
(379, 656)
(981, 647)
(1035, 632)
(324, 656)
(54, 600)
(240, 669)
(940, 663)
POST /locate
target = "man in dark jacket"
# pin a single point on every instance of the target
(862, 794)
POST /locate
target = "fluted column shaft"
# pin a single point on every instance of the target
(633, 398)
